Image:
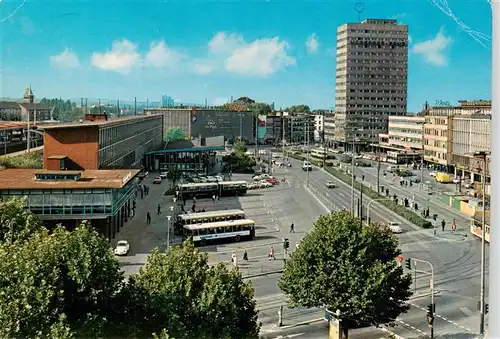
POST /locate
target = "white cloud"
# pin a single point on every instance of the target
(122, 57)
(160, 56)
(433, 51)
(260, 57)
(203, 67)
(312, 44)
(410, 39)
(65, 59)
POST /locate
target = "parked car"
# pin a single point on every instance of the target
(143, 174)
(163, 175)
(273, 181)
(265, 184)
(122, 247)
(330, 184)
(157, 180)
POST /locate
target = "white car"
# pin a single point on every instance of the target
(163, 175)
(122, 247)
(330, 184)
(265, 184)
(395, 228)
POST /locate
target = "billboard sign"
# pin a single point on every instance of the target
(211, 123)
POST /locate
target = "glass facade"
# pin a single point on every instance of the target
(184, 161)
(75, 202)
(124, 145)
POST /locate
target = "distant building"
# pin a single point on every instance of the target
(15, 111)
(167, 101)
(208, 122)
(318, 127)
(99, 143)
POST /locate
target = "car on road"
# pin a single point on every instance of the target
(394, 227)
(330, 184)
(432, 174)
(306, 166)
(157, 180)
(122, 247)
(163, 175)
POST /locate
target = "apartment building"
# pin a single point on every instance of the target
(329, 128)
(319, 123)
(371, 79)
(439, 130)
(471, 133)
(406, 132)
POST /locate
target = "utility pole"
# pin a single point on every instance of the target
(482, 310)
(147, 103)
(135, 105)
(361, 205)
(352, 178)
(256, 135)
(308, 150)
(86, 106)
(118, 107)
(494, 271)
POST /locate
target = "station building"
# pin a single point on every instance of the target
(101, 196)
(102, 143)
(186, 156)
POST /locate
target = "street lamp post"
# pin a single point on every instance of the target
(168, 231)
(308, 150)
(352, 176)
(368, 207)
(482, 156)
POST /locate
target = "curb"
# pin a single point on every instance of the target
(262, 274)
(276, 328)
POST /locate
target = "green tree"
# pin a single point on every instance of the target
(191, 299)
(16, 223)
(55, 283)
(344, 266)
(298, 109)
(240, 148)
(174, 134)
(260, 108)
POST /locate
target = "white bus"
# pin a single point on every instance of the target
(236, 230)
(206, 217)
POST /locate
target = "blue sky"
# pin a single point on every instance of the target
(282, 52)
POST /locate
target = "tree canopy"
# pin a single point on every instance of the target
(298, 109)
(192, 299)
(64, 110)
(174, 134)
(67, 284)
(344, 266)
(60, 281)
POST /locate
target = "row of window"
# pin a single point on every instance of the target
(381, 98)
(405, 130)
(370, 106)
(114, 134)
(435, 155)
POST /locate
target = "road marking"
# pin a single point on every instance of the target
(317, 199)
(446, 319)
(467, 311)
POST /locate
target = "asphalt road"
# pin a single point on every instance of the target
(455, 259)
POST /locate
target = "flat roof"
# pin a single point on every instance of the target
(15, 178)
(57, 157)
(192, 149)
(221, 213)
(238, 222)
(99, 122)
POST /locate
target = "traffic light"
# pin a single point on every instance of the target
(430, 315)
(286, 243)
(408, 263)
(486, 308)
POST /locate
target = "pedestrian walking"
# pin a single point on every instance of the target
(443, 224)
(159, 209)
(213, 198)
(292, 228)
(245, 255)
(454, 225)
(148, 218)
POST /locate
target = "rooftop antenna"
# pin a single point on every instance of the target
(359, 7)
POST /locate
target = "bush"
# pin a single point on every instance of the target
(28, 160)
(390, 204)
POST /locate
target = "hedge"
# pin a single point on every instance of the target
(402, 211)
(28, 160)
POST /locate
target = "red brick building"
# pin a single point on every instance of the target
(99, 143)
